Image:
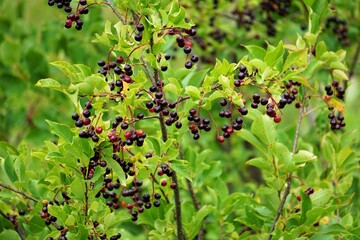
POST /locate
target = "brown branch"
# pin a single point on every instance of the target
(354, 61)
(148, 70)
(289, 177)
(19, 192)
(116, 13)
(178, 218)
(86, 202)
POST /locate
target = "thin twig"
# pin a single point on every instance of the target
(114, 11)
(289, 177)
(19, 192)
(148, 70)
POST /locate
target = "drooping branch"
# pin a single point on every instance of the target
(19, 192)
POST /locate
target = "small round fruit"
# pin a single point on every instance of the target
(98, 130)
(163, 183)
(277, 119)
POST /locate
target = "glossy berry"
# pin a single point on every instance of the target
(140, 27)
(194, 58)
(220, 139)
(156, 203)
(277, 119)
(163, 183)
(173, 185)
(223, 102)
(188, 64)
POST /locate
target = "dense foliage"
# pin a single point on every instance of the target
(179, 119)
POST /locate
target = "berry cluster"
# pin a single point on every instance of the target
(51, 220)
(338, 91)
(131, 136)
(339, 27)
(244, 18)
(243, 73)
(271, 7)
(235, 124)
(72, 17)
(334, 88)
(124, 73)
(159, 104)
(84, 120)
(165, 169)
(185, 43)
(336, 123)
(289, 96)
(197, 123)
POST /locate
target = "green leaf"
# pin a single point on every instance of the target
(77, 188)
(117, 170)
(306, 205)
(70, 221)
(58, 212)
(283, 156)
(49, 83)
(68, 69)
(197, 220)
(263, 127)
(340, 75)
(297, 59)
(260, 163)
(304, 156)
(256, 51)
(321, 197)
(9, 234)
(181, 167)
(61, 130)
(249, 137)
(193, 92)
(274, 55)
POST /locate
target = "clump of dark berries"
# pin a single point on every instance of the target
(339, 28)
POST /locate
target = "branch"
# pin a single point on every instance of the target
(289, 177)
(354, 61)
(180, 232)
(19, 192)
(116, 13)
(147, 70)
(86, 202)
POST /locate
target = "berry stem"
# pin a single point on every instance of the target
(19, 192)
(289, 176)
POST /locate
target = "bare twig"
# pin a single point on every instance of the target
(19, 192)
(289, 177)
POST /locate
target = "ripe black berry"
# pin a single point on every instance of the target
(188, 64)
(194, 58)
(223, 102)
(140, 27)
